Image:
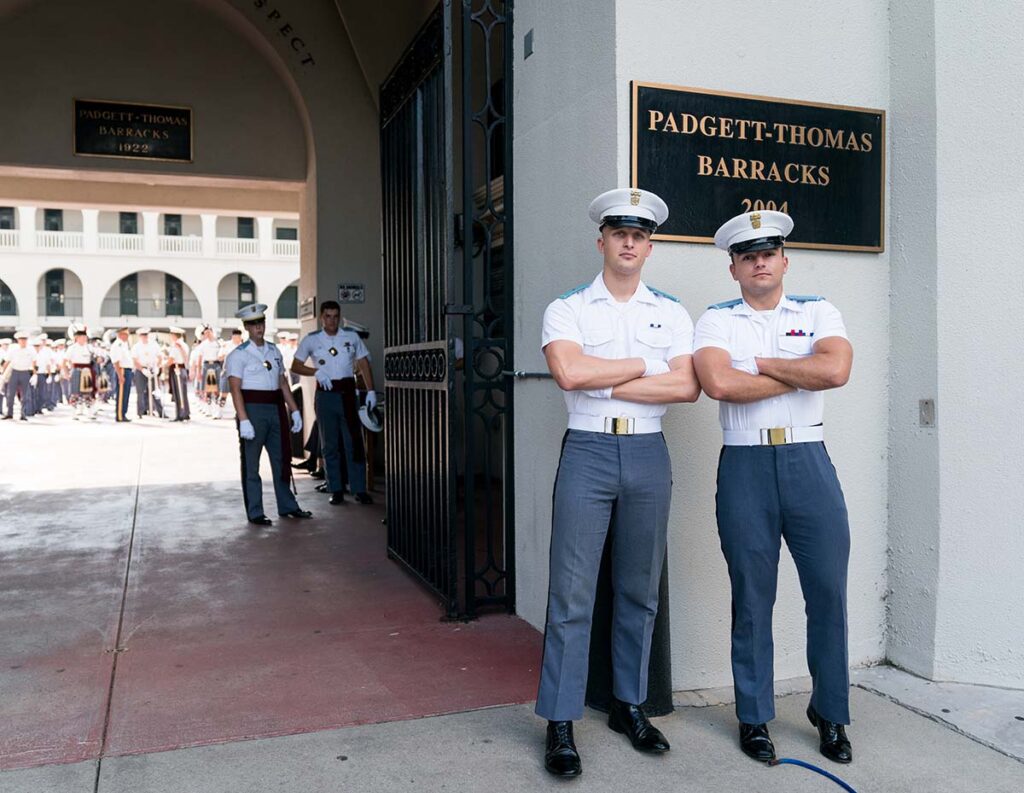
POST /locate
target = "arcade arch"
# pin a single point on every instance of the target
(145, 295)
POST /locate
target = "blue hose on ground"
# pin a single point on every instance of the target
(814, 768)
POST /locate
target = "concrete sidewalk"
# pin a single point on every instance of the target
(895, 750)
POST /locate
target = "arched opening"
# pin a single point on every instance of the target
(287, 306)
(59, 295)
(235, 290)
(150, 294)
(8, 303)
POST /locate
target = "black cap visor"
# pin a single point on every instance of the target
(757, 244)
(632, 221)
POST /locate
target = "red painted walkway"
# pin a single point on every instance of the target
(228, 631)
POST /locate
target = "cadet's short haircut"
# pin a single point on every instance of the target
(329, 305)
(236, 332)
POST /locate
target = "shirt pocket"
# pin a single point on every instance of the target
(597, 338)
(795, 346)
(655, 341)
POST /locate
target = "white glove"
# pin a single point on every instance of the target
(245, 430)
(371, 400)
(748, 365)
(324, 380)
(296, 421)
(600, 393)
(655, 366)
(33, 380)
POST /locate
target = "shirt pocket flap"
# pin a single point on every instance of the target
(597, 335)
(654, 337)
(796, 345)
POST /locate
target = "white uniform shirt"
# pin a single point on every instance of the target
(22, 358)
(789, 332)
(260, 368)
(208, 351)
(79, 353)
(336, 355)
(146, 353)
(178, 352)
(44, 360)
(650, 325)
(120, 354)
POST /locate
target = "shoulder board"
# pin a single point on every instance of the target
(659, 293)
(573, 291)
(805, 298)
(727, 303)
(243, 345)
(271, 345)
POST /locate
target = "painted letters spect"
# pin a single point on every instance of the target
(713, 155)
(297, 44)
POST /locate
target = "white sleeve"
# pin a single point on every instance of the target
(711, 331)
(828, 321)
(682, 334)
(234, 365)
(303, 351)
(361, 351)
(560, 323)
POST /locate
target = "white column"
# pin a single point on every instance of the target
(27, 228)
(150, 232)
(265, 236)
(209, 235)
(90, 230)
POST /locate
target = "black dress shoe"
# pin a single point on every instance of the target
(337, 498)
(321, 488)
(756, 742)
(632, 721)
(560, 756)
(318, 474)
(834, 743)
(261, 520)
(364, 498)
(297, 513)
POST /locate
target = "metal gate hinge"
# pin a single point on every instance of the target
(458, 308)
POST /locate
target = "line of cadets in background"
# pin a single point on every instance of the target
(38, 373)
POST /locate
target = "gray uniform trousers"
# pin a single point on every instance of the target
(766, 493)
(622, 483)
(267, 425)
(330, 419)
(19, 386)
(144, 390)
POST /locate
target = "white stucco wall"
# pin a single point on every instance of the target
(564, 101)
(562, 140)
(980, 290)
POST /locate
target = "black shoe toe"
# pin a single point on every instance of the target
(297, 513)
(337, 498)
(631, 721)
(832, 736)
(261, 520)
(560, 756)
(756, 742)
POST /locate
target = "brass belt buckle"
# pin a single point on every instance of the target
(622, 425)
(776, 436)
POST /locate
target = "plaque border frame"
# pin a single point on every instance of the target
(636, 85)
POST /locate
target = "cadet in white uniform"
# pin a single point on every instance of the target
(768, 357)
(621, 351)
(260, 392)
(336, 355)
(121, 357)
(146, 359)
(177, 376)
(21, 361)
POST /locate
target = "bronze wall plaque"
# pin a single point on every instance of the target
(132, 131)
(712, 155)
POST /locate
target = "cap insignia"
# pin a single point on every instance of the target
(755, 220)
(634, 197)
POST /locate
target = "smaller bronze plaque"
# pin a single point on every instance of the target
(132, 131)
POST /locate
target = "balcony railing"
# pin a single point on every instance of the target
(176, 244)
(124, 243)
(150, 309)
(8, 238)
(288, 249)
(231, 246)
(59, 240)
(60, 306)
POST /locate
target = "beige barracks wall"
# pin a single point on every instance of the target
(177, 53)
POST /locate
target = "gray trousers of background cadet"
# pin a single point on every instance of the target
(144, 390)
(331, 423)
(766, 493)
(267, 425)
(622, 483)
(19, 386)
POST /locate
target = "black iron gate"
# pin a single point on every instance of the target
(446, 142)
